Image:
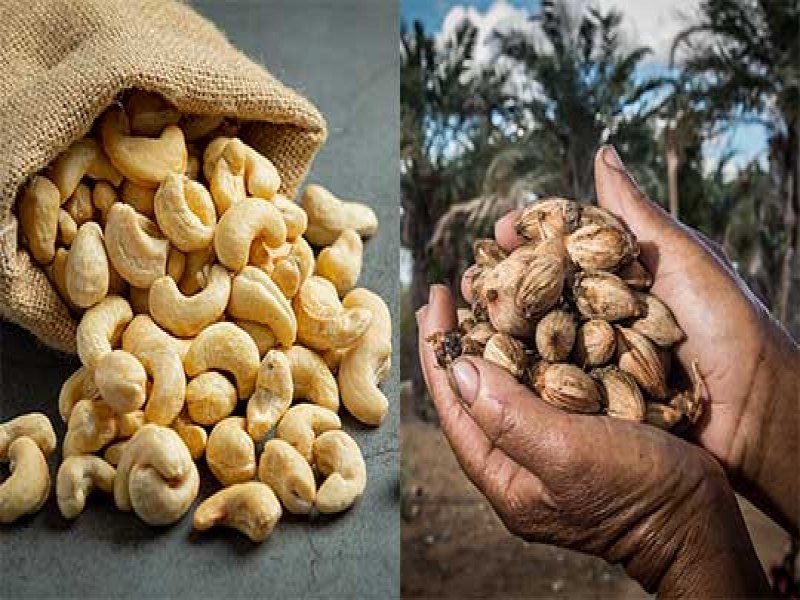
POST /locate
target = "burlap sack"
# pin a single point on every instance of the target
(62, 62)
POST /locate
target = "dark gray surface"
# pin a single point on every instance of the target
(343, 55)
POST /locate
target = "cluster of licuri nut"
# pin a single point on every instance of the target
(570, 313)
(205, 317)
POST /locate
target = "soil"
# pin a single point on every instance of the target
(453, 544)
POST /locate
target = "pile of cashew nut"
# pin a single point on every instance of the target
(209, 328)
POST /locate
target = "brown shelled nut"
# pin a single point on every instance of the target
(567, 387)
(476, 339)
(541, 286)
(638, 356)
(601, 295)
(555, 335)
(507, 353)
(549, 217)
(499, 290)
(657, 324)
(488, 252)
(595, 342)
(601, 247)
(621, 395)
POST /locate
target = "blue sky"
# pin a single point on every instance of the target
(432, 12)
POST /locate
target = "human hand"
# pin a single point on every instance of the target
(750, 365)
(629, 493)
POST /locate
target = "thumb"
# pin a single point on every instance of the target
(513, 418)
(618, 193)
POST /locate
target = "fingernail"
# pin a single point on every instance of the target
(421, 313)
(467, 380)
(611, 158)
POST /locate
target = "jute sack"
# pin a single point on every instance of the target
(63, 62)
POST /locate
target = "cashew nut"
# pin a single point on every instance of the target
(35, 426)
(311, 378)
(303, 255)
(86, 270)
(255, 297)
(129, 423)
(195, 273)
(38, 218)
(101, 327)
(263, 179)
(272, 396)
(294, 217)
(230, 452)
(210, 397)
(79, 385)
(338, 456)
(225, 347)
(135, 246)
(142, 199)
(286, 276)
(302, 423)
(145, 161)
(104, 196)
(328, 216)
(322, 321)
(262, 335)
(77, 477)
(113, 452)
(185, 213)
(67, 228)
(280, 264)
(83, 158)
(194, 436)
(150, 113)
(341, 262)
(79, 205)
(286, 471)
(92, 424)
(176, 263)
(57, 272)
(241, 224)
(250, 507)
(143, 334)
(121, 380)
(224, 168)
(368, 360)
(25, 491)
(167, 394)
(187, 316)
(156, 476)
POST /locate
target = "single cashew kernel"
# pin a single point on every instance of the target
(86, 271)
(262, 335)
(288, 473)
(367, 362)
(101, 327)
(311, 378)
(83, 158)
(113, 452)
(156, 476)
(145, 161)
(168, 392)
(328, 216)
(241, 224)
(287, 277)
(135, 246)
(129, 423)
(26, 490)
(210, 397)
(142, 199)
(150, 113)
(230, 452)
(272, 396)
(262, 176)
(35, 426)
(225, 347)
(121, 380)
(294, 216)
(67, 228)
(322, 322)
(194, 436)
(143, 334)
(341, 262)
(255, 297)
(187, 316)
(92, 424)
(176, 263)
(304, 422)
(303, 255)
(185, 213)
(338, 456)
(57, 271)
(38, 218)
(104, 196)
(79, 205)
(224, 168)
(78, 386)
(250, 507)
(77, 477)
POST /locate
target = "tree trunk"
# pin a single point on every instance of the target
(673, 163)
(791, 225)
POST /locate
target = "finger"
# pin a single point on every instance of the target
(506, 234)
(486, 466)
(466, 283)
(511, 416)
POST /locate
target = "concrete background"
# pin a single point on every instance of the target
(343, 56)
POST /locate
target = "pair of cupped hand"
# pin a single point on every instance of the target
(630, 493)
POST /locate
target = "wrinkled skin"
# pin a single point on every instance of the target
(628, 492)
